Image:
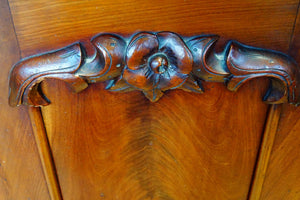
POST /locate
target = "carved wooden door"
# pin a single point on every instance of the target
(158, 115)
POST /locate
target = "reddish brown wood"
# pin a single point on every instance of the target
(155, 63)
(186, 145)
(80, 133)
(265, 152)
(239, 63)
(283, 174)
(294, 48)
(42, 25)
(21, 175)
(45, 153)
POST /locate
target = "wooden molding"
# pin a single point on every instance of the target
(154, 63)
(45, 153)
(266, 146)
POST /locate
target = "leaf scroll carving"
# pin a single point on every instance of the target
(154, 63)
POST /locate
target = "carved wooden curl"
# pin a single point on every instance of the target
(154, 63)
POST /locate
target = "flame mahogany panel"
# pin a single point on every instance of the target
(153, 63)
(185, 146)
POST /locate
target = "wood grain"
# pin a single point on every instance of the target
(283, 174)
(21, 175)
(122, 146)
(42, 25)
(45, 153)
(265, 151)
(294, 49)
(154, 63)
(108, 146)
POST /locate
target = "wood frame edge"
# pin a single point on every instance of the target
(45, 153)
(264, 153)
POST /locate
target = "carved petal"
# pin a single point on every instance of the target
(171, 80)
(142, 78)
(176, 50)
(139, 49)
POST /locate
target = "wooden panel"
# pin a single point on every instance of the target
(294, 49)
(265, 151)
(283, 174)
(21, 174)
(43, 25)
(122, 146)
(45, 153)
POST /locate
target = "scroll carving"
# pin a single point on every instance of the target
(154, 63)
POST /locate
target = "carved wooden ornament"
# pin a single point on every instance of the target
(154, 63)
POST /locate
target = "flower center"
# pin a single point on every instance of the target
(158, 63)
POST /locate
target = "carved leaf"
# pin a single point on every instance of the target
(28, 73)
(192, 85)
(246, 63)
(153, 95)
(119, 85)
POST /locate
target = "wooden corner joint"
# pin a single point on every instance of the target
(154, 63)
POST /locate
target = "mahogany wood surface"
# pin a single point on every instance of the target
(43, 25)
(265, 151)
(185, 146)
(154, 64)
(45, 153)
(21, 175)
(294, 49)
(196, 146)
(283, 173)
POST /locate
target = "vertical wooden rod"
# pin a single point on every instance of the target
(45, 154)
(265, 152)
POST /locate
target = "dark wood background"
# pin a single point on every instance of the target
(30, 27)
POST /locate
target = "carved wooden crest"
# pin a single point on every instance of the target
(154, 63)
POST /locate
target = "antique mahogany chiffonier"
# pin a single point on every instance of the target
(141, 100)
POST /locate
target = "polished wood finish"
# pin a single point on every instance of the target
(155, 63)
(58, 65)
(239, 63)
(42, 25)
(265, 152)
(294, 49)
(91, 154)
(21, 175)
(283, 174)
(45, 153)
(114, 146)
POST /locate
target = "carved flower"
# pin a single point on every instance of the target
(156, 63)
